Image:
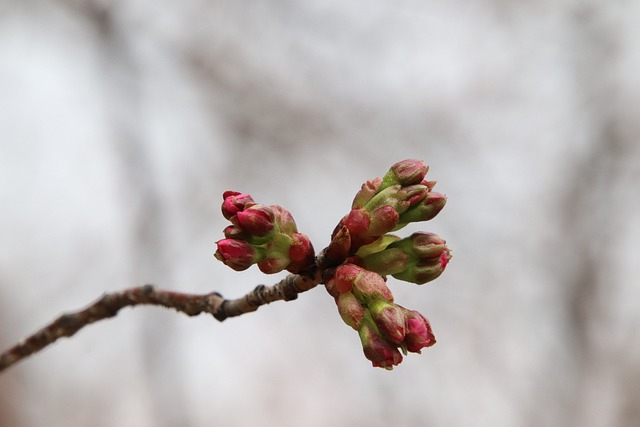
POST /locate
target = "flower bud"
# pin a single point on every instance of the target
(418, 332)
(301, 253)
(284, 219)
(344, 277)
(235, 202)
(237, 254)
(350, 309)
(366, 193)
(257, 220)
(418, 258)
(383, 220)
(390, 320)
(380, 352)
(369, 286)
(405, 172)
(429, 207)
(424, 270)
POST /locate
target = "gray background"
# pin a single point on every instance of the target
(122, 122)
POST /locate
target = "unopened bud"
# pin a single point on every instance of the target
(390, 319)
(257, 220)
(405, 172)
(380, 352)
(237, 254)
(235, 202)
(350, 309)
(418, 332)
(427, 209)
(366, 193)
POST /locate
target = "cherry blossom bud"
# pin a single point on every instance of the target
(257, 220)
(418, 258)
(284, 219)
(350, 309)
(369, 286)
(390, 319)
(418, 332)
(427, 209)
(380, 352)
(237, 254)
(366, 193)
(345, 276)
(405, 172)
(235, 202)
(301, 253)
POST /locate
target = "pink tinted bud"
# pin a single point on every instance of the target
(345, 276)
(406, 172)
(300, 248)
(301, 253)
(390, 320)
(370, 286)
(427, 209)
(381, 353)
(257, 220)
(419, 334)
(235, 232)
(383, 220)
(235, 202)
(358, 221)
(350, 309)
(284, 219)
(236, 254)
(366, 193)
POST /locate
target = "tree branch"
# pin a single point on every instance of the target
(109, 304)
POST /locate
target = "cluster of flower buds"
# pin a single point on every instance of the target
(364, 254)
(366, 304)
(389, 203)
(262, 235)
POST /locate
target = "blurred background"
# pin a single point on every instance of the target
(122, 122)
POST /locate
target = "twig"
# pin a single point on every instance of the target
(109, 304)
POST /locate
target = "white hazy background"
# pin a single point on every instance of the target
(122, 122)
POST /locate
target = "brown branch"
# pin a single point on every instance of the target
(109, 304)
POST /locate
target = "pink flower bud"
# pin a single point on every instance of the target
(370, 286)
(383, 220)
(237, 254)
(366, 193)
(257, 220)
(405, 172)
(418, 332)
(345, 276)
(284, 219)
(358, 221)
(427, 209)
(301, 253)
(235, 232)
(390, 319)
(350, 309)
(380, 352)
(235, 202)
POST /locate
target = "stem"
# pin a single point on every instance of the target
(109, 304)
